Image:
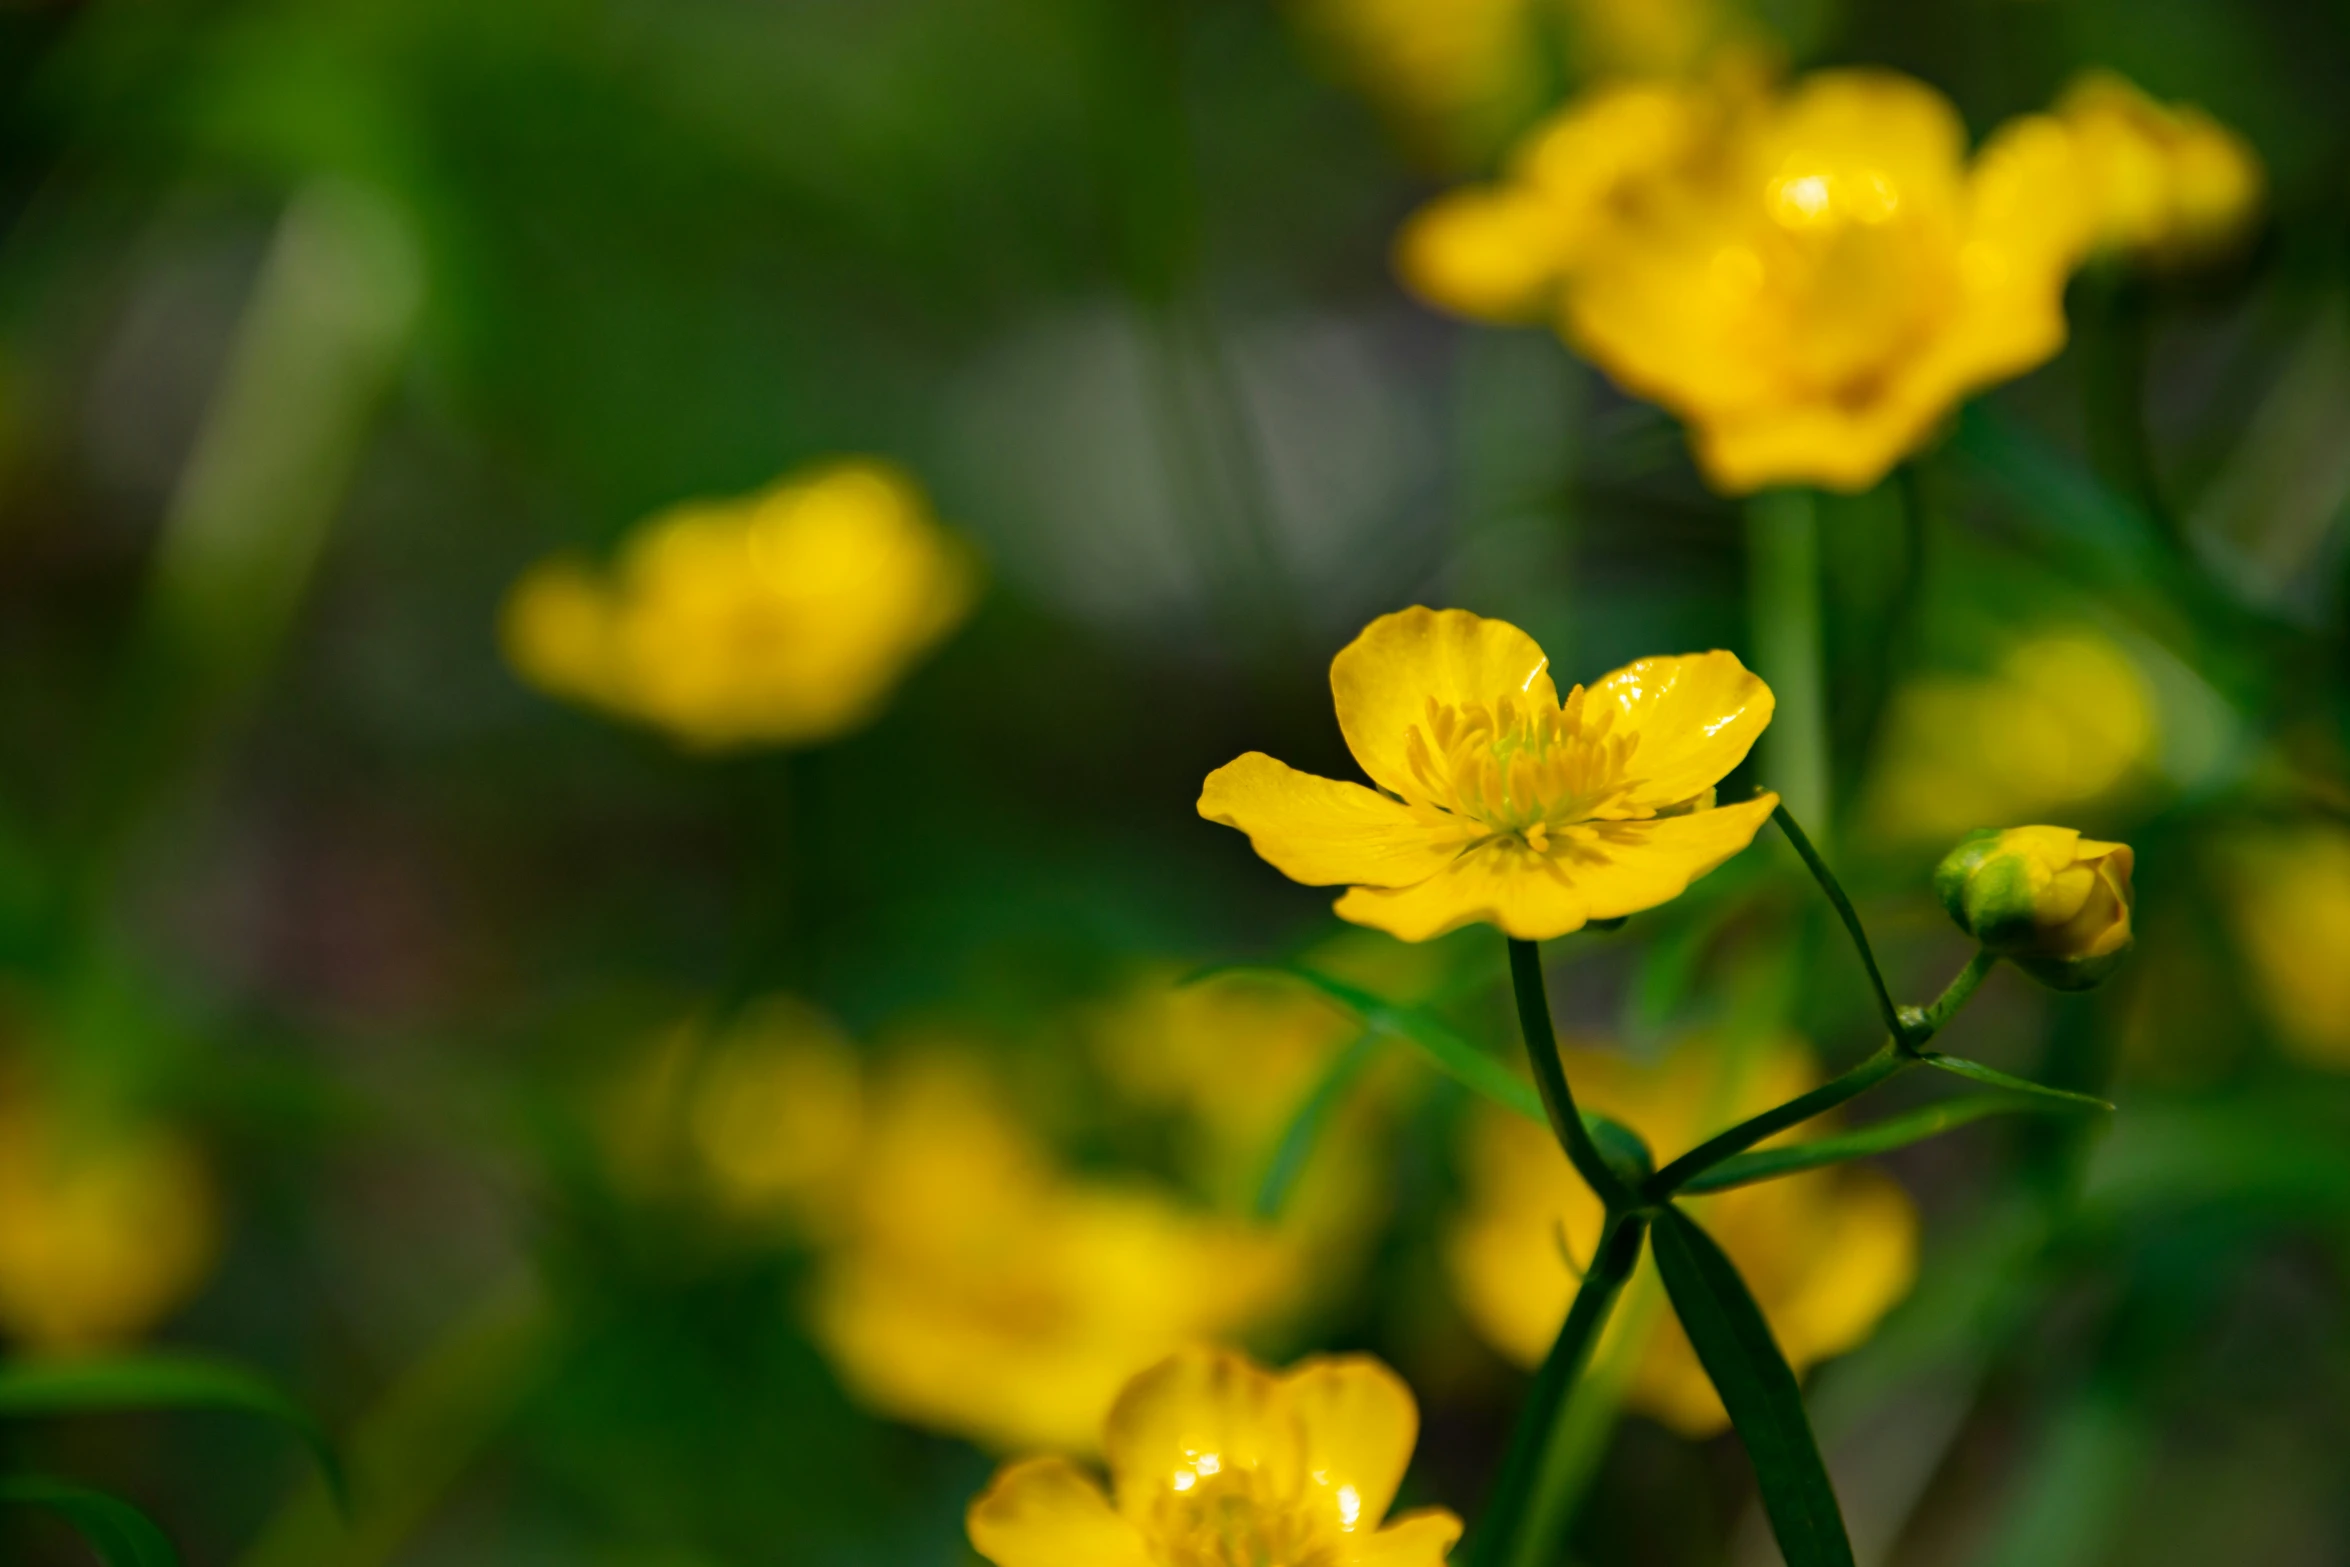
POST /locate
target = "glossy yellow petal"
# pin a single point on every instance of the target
(1502, 882)
(1359, 1422)
(1417, 1539)
(1385, 678)
(1323, 832)
(1197, 1414)
(1620, 868)
(1696, 716)
(1046, 1512)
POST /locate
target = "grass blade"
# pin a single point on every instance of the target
(122, 1535)
(157, 1381)
(1735, 1346)
(1899, 1131)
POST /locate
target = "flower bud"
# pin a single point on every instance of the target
(2055, 904)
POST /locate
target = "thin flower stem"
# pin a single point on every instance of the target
(1889, 1061)
(1783, 576)
(1895, 1056)
(1538, 1419)
(1550, 1076)
(1820, 873)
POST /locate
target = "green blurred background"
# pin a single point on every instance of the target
(320, 323)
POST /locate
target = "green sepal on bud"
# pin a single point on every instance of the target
(2053, 903)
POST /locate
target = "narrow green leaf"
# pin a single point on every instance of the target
(1453, 1055)
(1992, 1077)
(122, 1535)
(1735, 1346)
(162, 1381)
(1884, 1136)
(1305, 1126)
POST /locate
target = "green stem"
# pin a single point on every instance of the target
(1538, 1419)
(1894, 1023)
(1783, 565)
(1895, 1056)
(1550, 1076)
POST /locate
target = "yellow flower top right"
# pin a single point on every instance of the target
(2165, 183)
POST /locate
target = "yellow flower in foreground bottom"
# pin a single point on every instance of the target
(981, 1290)
(103, 1229)
(1216, 1462)
(1502, 803)
(1827, 1254)
(784, 618)
(1820, 294)
(2171, 183)
(2291, 906)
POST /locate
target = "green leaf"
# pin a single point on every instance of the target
(1453, 1055)
(1305, 1126)
(1735, 1346)
(157, 1381)
(1884, 1136)
(122, 1535)
(1992, 1077)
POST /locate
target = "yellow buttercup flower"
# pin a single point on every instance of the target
(1216, 1462)
(2065, 719)
(1839, 276)
(2167, 182)
(1826, 1254)
(2052, 902)
(105, 1227)
(784, 618)
(978, 1288)
(2290, 905)
(1501, 803)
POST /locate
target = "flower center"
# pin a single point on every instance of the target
(1231, 1519)
(1521, 768)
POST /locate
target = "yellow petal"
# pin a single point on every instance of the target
(1624, 867)
(1696, 717)
(1868, 1258)
(1415, 1540)
(1359, 1422)
(1503, 883)
(1490, 254)
(1384, 679)
(1046, 1512)
(1323, 832)
(1199, 1412)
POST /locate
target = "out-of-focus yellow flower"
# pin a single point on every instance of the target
(105, 1227)
(1503, 804)
(2066, 719)
(784, 618)
(1458, 75)
(982, 1290)
(764, 1114)
(1826, 1254)
(2165, 182)
(2290, 902)
(1216, 1462)
(2052, 902)
(1836, 280)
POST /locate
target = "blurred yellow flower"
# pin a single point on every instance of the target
(980, 1289)
(1503, 804)
(1216, 1462)
(105, 1226)
(1458, 75)
(762, 1113)
(2165, 182)
(783, 618)
(1827, 1254)
(2290, 905)
(2052, 902)
(2066, 718)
